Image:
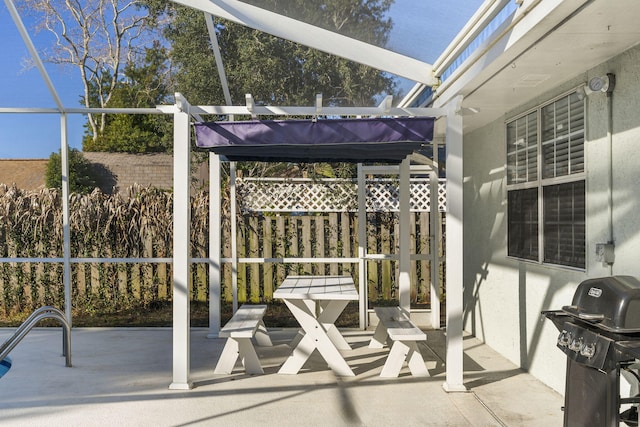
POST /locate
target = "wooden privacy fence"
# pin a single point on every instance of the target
(305, 218)
(329, 235)
(121, 249)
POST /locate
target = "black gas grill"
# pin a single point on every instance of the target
(600, 334)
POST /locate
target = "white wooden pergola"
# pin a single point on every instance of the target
(183, 113)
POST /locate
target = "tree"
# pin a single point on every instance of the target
(143, 86)
(110, 42)
(81, 173)
(99, 38)
(277, 71)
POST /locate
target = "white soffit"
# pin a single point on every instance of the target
(317, 38)
(552, 42)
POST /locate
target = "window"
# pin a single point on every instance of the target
(546, 184)
(564, 230)
(523, 224)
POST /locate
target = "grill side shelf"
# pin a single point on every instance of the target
(628, 349)
(558, 317)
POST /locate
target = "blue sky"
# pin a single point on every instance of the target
(423, 29)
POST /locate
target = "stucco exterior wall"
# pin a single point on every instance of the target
(504, 296)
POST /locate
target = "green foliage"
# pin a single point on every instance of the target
(143, 86)
(82, 178)
(277, 71)
(364, 20)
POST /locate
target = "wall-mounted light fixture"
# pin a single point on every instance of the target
(603, 84)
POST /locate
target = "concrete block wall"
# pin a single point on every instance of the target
(122, 170)
(116, 171)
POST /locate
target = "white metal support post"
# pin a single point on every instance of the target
(455, 246)
(66, 233)
(215, 265)
(362, 248)
(434, 238)
(181, 245)
(404, 279)
(234, 236)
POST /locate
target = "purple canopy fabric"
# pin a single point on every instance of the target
(387, 140)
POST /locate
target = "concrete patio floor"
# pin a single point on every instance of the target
(120, 377)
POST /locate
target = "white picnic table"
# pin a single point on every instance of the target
(316, 302)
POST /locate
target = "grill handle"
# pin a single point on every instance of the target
(588, 317)
(591, 317)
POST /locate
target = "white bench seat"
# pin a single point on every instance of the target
(395, 326)
(245, 325)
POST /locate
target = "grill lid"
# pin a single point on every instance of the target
(612, 303)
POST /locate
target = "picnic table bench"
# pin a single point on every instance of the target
(396, 327)
(245, 325)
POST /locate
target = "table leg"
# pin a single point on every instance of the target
(299, 356)
(329, 312)
(311, 306)
(315, 337)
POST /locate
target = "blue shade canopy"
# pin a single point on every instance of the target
(387, 140)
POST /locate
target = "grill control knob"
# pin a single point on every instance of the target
(588, 350)
(576, 344)
(564, 338)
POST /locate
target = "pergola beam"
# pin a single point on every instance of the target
(270, 110)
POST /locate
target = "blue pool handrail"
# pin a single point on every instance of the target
(46, 312)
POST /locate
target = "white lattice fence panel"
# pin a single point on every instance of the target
(300, 195)
(334, 195)
(442, 196)
(383, 195)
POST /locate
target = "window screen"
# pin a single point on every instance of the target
(523, 224)
(562, 137)
(564, 224)
(545, 157)
(522, 149)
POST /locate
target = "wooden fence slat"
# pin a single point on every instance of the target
(267, 252)
(292, 238)
(150, 287)
(424, 248)
(242, 268)
(281, 247)
(333, 242)
(254, 269)
(414, 289)
(306, 242)
(320, 244)
(227, 280)
(372, 266)
(386, 270)
(345, 238)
